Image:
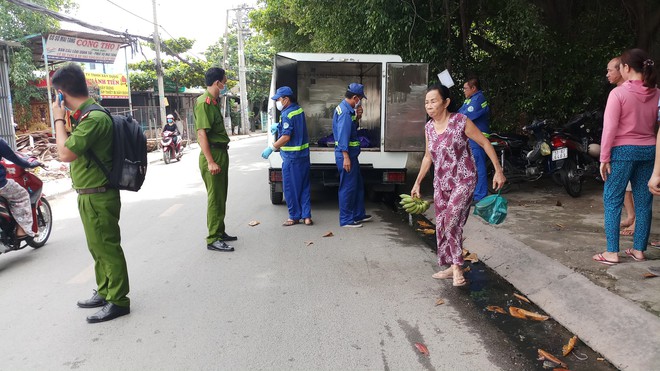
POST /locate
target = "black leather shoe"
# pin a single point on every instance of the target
(219, 246)
(108, 312)
(94, 302)
(226, 237)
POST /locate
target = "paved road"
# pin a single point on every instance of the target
(358, 300)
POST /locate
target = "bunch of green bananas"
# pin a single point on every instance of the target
(413, 205)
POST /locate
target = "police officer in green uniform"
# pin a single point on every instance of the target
(99, 206)
(214, 160)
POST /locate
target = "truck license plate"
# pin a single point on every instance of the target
(559, 154)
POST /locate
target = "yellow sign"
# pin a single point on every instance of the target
(110, 86)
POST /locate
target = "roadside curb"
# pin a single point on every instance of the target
(609, 324)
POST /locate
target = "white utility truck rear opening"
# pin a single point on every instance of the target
(392, 124)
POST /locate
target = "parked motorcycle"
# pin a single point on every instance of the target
(171, 150)
(576, 150)
(42, 217)
(523, 158)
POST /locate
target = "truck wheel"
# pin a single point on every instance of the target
(275, 197)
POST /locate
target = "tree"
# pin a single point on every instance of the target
(16, 23)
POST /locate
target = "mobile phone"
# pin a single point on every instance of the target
(60, 96)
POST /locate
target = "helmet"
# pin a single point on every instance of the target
(170, 116)
(594, 150)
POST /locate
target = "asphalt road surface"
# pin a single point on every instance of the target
(287, 298)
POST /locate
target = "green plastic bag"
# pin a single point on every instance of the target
(492, 208)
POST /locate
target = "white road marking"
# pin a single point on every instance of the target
(170, 211)
(84, 276)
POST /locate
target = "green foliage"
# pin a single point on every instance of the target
(539, 58)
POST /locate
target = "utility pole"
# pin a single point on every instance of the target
(159, 69)
(225, 102)
(241, 74)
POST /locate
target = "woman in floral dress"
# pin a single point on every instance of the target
(455, 178)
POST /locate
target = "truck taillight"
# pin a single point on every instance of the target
(275, 176)
(394, 177)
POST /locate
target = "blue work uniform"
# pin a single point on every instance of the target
(476, 108)
(295, 162)
(351, 185)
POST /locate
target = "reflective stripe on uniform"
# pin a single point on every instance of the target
(484, 104)
(294, 148)
(295, 113)
(338, 110)
(351, 144)
(486, 135)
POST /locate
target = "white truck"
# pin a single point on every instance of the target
(392, 124)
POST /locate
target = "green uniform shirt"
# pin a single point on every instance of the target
(93, 132)
(209, 118)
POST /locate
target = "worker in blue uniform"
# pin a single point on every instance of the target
(293, 144)
(476, 109)
(347, 149)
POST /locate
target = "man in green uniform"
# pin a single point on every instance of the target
(214, 160)
(99, 206)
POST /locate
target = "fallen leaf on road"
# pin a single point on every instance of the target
(307, 243)
(543, 355)
(649, 275)
(424, 224)
(566, 349)
(560, 226)
(253, 223)
(328, 234)
(465, 252)
(426, 230)
(439, 302)
(558, 203)
(522, 298)
(560, 369)
(496, 309)
(422, 349)
(472, 257)
(600, 359)
(525, 314)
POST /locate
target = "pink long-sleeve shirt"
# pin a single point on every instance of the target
(630, 117)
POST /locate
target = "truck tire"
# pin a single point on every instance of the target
(276, 198)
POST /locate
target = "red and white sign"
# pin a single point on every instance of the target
(69, 48)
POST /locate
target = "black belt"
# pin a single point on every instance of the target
(219, 145)
(89, 191)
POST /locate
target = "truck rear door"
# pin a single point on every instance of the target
(405, 115)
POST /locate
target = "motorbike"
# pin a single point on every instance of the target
(171, 150)
(524, 158)
(42, 217)
(576, 151)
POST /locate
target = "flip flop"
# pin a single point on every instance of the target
(442, 275)
(629, 252)
(290, 222)
(601, 259)
(311, 222)
(655, 244)
(627, 232)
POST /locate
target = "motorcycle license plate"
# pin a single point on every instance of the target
(559, 154)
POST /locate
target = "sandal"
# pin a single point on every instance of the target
(309, 221)
(459, 281)
(631, 253)
(603, 260)
(442, 275)
(655, 244)
(290, 222)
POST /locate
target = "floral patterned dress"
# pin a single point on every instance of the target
(455, 179)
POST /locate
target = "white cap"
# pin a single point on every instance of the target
(170, 116)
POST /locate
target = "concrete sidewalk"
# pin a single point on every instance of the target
(544, 249)
(56, 187)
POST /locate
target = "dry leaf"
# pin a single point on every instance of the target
(422, 349)
(560, 226)
(328, 234)
(426, 230)
(496, 309)
(472, 257)
(560, 369)
(465, 253)
(522, 298)
(558, 203)
(600, 359)
(307, 243)
(566, 349)
(649, 275)
(424, 224)
(525, 314)
(253, 223)
(545, 355)
(439, 302)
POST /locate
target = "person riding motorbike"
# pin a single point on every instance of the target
(171, 126)
(17, 196)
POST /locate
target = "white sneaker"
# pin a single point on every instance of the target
(353, 225)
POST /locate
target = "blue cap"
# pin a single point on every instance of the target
(357, 89)
(284, 91)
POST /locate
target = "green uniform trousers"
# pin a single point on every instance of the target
(100, 218)
(216, 188)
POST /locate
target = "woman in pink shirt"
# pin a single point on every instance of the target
(628, 151)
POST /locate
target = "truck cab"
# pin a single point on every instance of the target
(392, 124)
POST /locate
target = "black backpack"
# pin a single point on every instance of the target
(129, 152)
